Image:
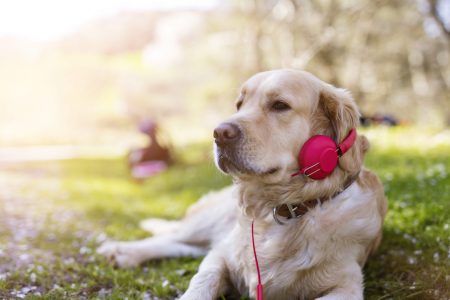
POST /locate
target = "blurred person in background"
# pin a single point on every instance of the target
(151, 159)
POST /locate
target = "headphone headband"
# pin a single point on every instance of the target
(347, 143)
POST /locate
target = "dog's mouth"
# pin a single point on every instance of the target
(236, 166)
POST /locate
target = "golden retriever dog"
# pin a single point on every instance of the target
(311, 237)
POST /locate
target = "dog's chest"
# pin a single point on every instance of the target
(281, 259)
(294, 258)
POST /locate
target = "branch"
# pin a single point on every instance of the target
(435, 15)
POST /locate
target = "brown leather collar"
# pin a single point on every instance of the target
(291, 211)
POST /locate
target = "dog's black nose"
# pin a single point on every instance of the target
(226, 133)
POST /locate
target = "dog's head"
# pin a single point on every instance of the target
(277, 112)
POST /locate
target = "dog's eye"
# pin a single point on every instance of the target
(280, 106)
(239, 104)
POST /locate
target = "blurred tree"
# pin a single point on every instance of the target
(185, 66)
(393, 55)
(440, 20)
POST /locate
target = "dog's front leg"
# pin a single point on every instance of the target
(349, 286)
(210, 281)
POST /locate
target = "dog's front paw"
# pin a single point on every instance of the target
(120, 254)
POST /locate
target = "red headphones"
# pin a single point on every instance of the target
(319, 155)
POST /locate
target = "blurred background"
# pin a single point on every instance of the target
(85, 84)
(87, 72)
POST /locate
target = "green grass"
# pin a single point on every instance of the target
(54, 214)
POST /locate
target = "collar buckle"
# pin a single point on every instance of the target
(275, 216)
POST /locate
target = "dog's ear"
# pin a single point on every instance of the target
(340, 109)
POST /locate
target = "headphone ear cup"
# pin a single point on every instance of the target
(318, 158)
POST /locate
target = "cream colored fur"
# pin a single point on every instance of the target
(318, 256)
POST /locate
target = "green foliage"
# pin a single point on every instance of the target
(54, 214)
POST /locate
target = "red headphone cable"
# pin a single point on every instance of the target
(259, 289)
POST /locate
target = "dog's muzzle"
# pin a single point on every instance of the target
(228, 138)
